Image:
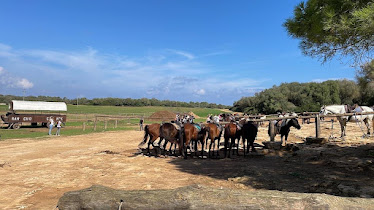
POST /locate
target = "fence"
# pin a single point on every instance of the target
(314, 115)
(107, 121)
(116, 121)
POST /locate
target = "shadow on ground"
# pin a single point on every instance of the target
(333, 169)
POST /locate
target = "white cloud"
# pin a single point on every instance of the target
(24, 84)
(200, 92)
(11, 81)
(89, 72)
(223, 52)
(183, 53)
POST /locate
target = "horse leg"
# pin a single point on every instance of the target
(148, 152)
(251, 141)
(343, 126)
(159, 142)
(185, 151)
(195, 148)
(367, 123)
(232, 141)
(237, 147)
(170, 151)
(214, 146)
(160, 145)
(226, 146)
(210, 147)
(165, 150)
(202, 149)
(281, 139)
(243, 139)
(154, 148)
(219, 139)
(285, 138)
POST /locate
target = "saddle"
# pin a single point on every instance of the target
(178, 127)
(218, 126)
(238, 126)
(197, 126)
(278, 125)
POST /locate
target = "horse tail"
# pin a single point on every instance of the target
(146, 134)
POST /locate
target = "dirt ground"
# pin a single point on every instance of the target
(35, 173)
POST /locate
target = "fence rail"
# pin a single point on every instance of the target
(115, 119)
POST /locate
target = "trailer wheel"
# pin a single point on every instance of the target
(16, 126)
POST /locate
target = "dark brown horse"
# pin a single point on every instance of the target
(171, 134)
(230, 135)
(153, 131)
(249, 133)
(214, 133)
(193, 134)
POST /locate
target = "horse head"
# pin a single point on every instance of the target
(295, 123)
(323, 110)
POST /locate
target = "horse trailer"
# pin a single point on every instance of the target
(15, 120)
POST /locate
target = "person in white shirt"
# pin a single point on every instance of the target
(58, 128)
(51, 124)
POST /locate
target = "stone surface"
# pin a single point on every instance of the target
(202, 197)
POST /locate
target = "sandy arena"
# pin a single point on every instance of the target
(35, 173)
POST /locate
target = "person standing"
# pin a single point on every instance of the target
(51, 124)
(141, 124)
(58, 128)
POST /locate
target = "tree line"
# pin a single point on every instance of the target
(301, 97)
(114, 101)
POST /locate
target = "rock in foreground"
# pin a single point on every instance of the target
(201, 197)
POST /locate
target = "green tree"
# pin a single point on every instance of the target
(349, 92)
(365, 78)
(329, 28)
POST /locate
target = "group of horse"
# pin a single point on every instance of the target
(187, 136)
(358, 116)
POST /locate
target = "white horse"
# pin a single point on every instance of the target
(341, 109)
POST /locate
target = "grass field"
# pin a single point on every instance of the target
(76, 115)
(123, 110)
(146, 110)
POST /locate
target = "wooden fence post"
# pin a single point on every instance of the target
(106, 124)
(318, 128)
(272, 130)
(116, 123)
(84, 126)
(95, 123)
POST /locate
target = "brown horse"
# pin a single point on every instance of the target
(153, 131)
(231, 132)
(171, 134)
(192, 133)
(214, 133)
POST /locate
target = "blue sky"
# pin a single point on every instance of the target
(188, 50)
